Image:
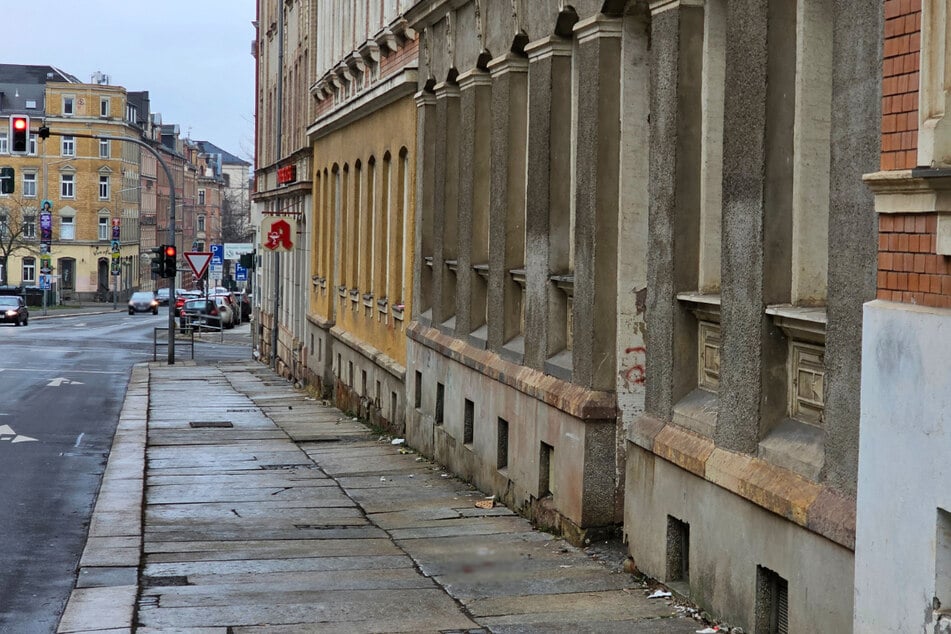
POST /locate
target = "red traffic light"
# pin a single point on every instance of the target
(170, 251)
(19, 134)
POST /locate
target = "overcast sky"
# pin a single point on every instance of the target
(193, 56)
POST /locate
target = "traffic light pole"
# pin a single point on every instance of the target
(171, 216)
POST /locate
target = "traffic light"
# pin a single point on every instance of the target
(158, 261)
(19, 134)
(246, 260)
(170, 261)
(7, 180)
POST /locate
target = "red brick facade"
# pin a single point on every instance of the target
(909, 268)
(900, 84)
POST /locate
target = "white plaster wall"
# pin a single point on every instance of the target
(904, 464)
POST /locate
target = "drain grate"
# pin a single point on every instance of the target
(210, 424)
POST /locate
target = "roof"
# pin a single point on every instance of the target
(207, 147)
(20, 84)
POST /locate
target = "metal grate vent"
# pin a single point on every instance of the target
(210, 424)
(772, 602)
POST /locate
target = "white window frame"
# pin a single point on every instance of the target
(69, 105)
(28, 185)
(201, 196)
(104, 226)
(103, 187)
(201, 223)
(103, 148)
(104, 106)
(67, 186)
(28, 270)
(68, 146)
(4, 143)
(67, 228)
(32, 145)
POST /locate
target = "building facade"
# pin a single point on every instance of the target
(285, 52)
(91, 185)
(904, 502)
(364, 144)
(525, 357)
(742, 472)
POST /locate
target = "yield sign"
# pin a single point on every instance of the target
(198, 261)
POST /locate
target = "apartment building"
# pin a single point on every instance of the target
(89, 183)
(285, 52)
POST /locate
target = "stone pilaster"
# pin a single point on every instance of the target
(548, 191)
(507, 200)
(597, 72)
(423, 231)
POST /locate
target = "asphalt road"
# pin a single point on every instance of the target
(62, 384)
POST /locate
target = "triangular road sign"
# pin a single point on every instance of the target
(198, 261)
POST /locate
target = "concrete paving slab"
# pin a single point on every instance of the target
(366, 578)
(268, 588)
(250, 549)
(180, 494)
(216, 569)
(403, 609)
(111, 551)
(263, 532)
(105, 576)
(98, 609)
(642, 626)
(611, 605)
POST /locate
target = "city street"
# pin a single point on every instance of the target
(63, 381)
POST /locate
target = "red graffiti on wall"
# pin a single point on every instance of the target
(635, 373)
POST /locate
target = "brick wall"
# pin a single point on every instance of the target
(900, 84)
(909, 270)
(393, 62)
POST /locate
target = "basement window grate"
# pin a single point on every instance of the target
(210, 424)
(772, 602)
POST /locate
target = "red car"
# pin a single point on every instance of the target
(180, 299)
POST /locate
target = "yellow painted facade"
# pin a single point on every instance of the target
(362, 251)
(89, 184)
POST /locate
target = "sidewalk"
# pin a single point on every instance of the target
(233, 502)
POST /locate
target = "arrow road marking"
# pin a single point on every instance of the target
(7, 433)
(58, 381)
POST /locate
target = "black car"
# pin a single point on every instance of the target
(13, 310)
(143, 302)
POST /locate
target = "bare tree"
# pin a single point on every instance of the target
(17, 231)
(235, 219)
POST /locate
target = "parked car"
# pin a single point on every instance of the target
(232, 304)
(162, 296)
(143, 302)
(13, 310)
(198, 313)
(227, 313)
(182, 296)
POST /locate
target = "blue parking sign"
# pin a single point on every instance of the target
(240, 273)
(218, 254)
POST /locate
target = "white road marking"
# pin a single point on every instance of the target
(7, 433)
(58, 381)
(80, 439)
